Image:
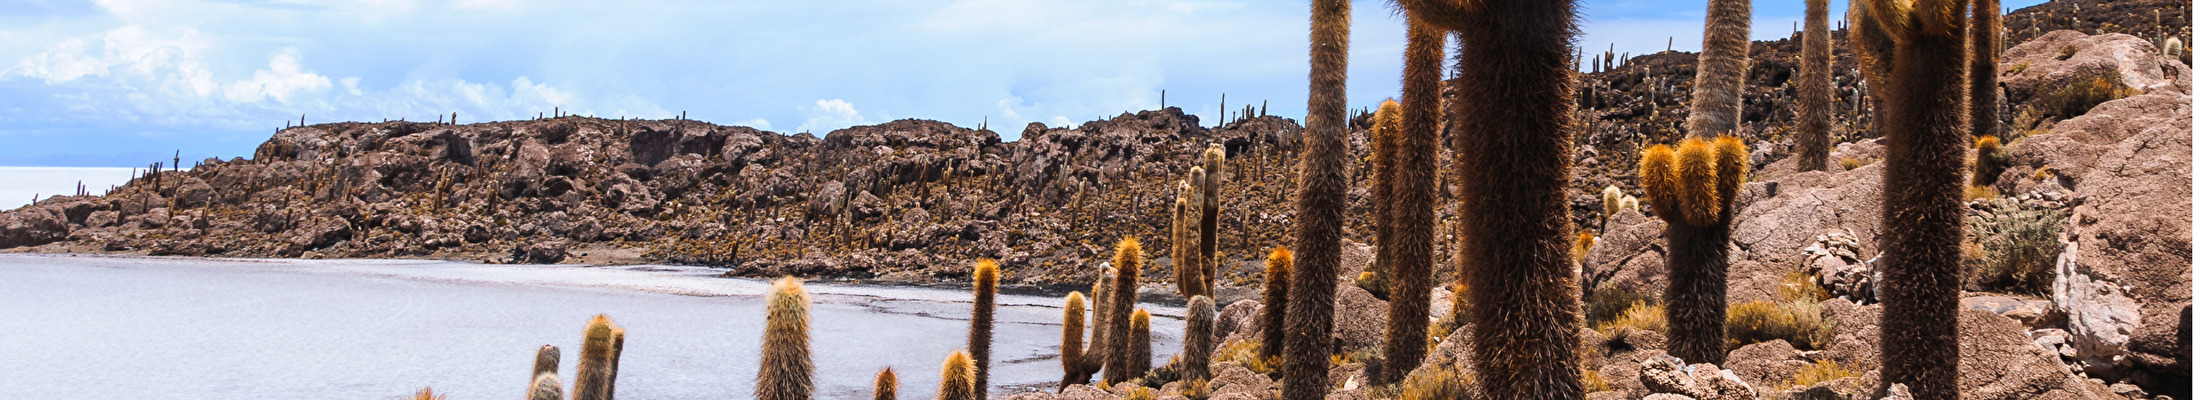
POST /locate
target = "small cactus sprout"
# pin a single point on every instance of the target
(427, 393)
(1611, 197)
(1274, 298)
(786, 370)
(2173, 48)
(1073, 341)
(1990, 161)
(955, 378)
(594, 373)
(1582, 242)
(1630, 203)
(985, 281)
(1129, 260)
(883, 387)
(546, 387)
(546, 360)
(1141, 343)
(1199, 337)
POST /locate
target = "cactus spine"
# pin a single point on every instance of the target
(1140, 352)
(1073, 341)
(1814, 94)
(1692, 190)
(1514, 154)
(1129, 260)
(884, 387)
(1211, 216)
(1923, 204)
(592, 378)
(1985, 46)
(985, 281)
(1320, 206)
(955, 378)
(786, 370)
(1199, 337)
(1413, 200)
(546, 387)
(1274, 299)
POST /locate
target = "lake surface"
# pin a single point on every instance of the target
(101, 327)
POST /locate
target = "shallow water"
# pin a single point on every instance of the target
(96, 327)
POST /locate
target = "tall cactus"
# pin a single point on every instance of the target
(1193, 264)
(1513, 114)
(1721, 69)
(985, 281)
(1814, 91)
(1274, 300)
(1318, 232)
(1140, 351)
(1211, 215)
(1073, 341)
(592, 378)
(1180, 249)
(1693, 190)
(1097, 354)
(1923, 205)
(1199, 337)
(1383, 142)
(786, 371)
(955, 378)
(1413, 201)
(885, 385)
(1129, 260)
(1985, 43)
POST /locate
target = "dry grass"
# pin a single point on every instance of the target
(1247, 353)
(1641, 315)
(1978, 192)
(1436, 383)
(1798, 322)
(1195, 389)
(1849, 163)
(1798, 286)
(1821, 371)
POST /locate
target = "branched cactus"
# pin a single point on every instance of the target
(885, 385)
(1211, 216)
(1694, 191)
(1412, 201)
(1274, 299)
(592, 378)
(1129, 260)
(955, 378)
(1140, 352)
(546, 387)
(1920, 253)
(1199, 337)
(985, 282)
(1073, 341)
(1814, 93)
(786, 371)
(1319, 230)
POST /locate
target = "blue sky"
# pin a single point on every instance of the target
(128, 82)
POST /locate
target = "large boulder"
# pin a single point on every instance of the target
(32, 226)
(2126, 264)
(1999, 361)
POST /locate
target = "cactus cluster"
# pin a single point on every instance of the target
(1193, 224)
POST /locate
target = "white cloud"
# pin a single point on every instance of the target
(829, 115)
(283, 77)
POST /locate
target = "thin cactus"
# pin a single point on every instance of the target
(1140, 354)
(1814, 94)
(1275, 298)
(1413, 199)
(985, 282)
(1073, 341)
(618, 346)
(1103, 323)
(1318, 231)
(1129, 260)
(786, 372)
(1211, 214)
(594, 372)
(1985, 88)
(1383, 140)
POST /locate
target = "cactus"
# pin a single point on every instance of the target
(618, 346)
(1103, 323)
(1129, 260)
(955, 378)
(2173, 48)
(1721, 69)
(1413, 201)
(884, 387)
(1211, 215)
(1073, 341)
(1985, 90)
(1383, 139)
(594, 373)
(1920, 254)
(985, 282)
(1193, 265)
(1199, 337)
(546, 387)
(1611, 197)
(546, 360)
(1179, 253)
(786, 370)
(1513, 155)
(1318, 231)
(1989, 161)
(1274, 300)
(1140, 351)
(1692, 191)
(1814, 94)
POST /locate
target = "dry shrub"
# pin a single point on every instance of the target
(1798, 322)
(1640, 315)
(1821, 371)
(1436, 383)
(1247, 353)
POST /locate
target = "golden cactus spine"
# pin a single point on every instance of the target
(1922, 207)
(546, 387)
(594, 372)
(1413, 199)
(1985, 93)
(1721, 69)
(786, 370)
(1274, 300)
(885, 385)
(1814, 93)
(1318, 231)
(1073, 341)
(1513, 151)
(1199, 337)
(1140, 354)
(1211, 216)
(1129, 260)
(955, 378)
(985, 281)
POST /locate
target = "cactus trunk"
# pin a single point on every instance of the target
(985, 282)
(1383, 143)
(1199, 337)
(786, 370)
(1210, 217)
(1274, 300)
(1923, 211)
(1103, 324)
(594, 373)
(1318, 232)
(1814, 94)
(1413, 204)
(1073, 341)
(1129, 260)
(1723, 66)
(546, 387)
(1985, 93)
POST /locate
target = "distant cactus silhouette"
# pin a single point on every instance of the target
(1140, 352)
(985, 281)
(884, 387)
(1920, 253)
(546, 387)
(546, 360)
(1199, 337)
(1073, 341)
(955, 378)
(1211, 216)
(1318, 232)
(1274, 299)
(1129, 260)
(1814, 91)
(594, 373)
(1412, 200)
(786, 371)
